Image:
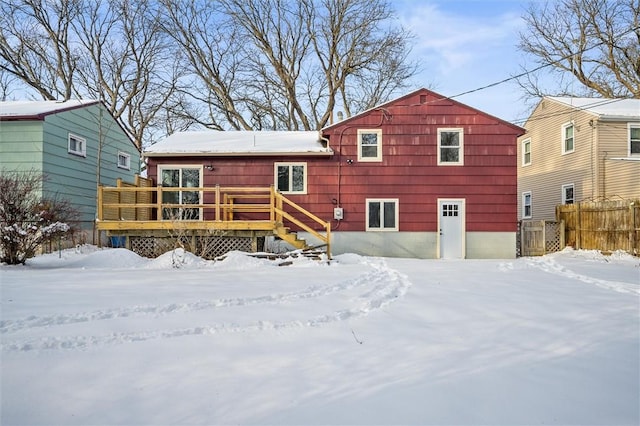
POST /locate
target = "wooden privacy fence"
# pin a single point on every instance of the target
(539, 237)
(602, 225)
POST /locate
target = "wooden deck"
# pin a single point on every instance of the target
(141, 209)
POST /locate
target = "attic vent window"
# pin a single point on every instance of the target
(423, 99)
(124, 161)
(77, 145)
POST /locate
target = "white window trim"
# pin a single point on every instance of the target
(290, 164)
(564, 192)
(524, 143)
(524, 195)
(200, 167)
(563, 140)
(377, 158)
(629, 127)
(460, 161)
(127, 165)
(83, 142)
(396, 227)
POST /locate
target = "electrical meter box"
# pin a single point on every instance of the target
(338, 213)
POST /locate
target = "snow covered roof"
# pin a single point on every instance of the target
(232, 143)
(606, 108)
(36, 110)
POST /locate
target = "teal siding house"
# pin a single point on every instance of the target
(75, 144)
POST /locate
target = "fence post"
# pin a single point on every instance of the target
(632, 228)
(562, 239)
(578, 226)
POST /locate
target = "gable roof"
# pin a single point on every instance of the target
(605, 108)
(38, 110)
(438, 98)
(239, 143)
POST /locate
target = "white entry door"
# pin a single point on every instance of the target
(451, 226)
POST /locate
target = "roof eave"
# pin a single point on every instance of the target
(238, 154)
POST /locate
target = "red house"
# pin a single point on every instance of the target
(420, 176)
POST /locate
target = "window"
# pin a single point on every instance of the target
(450, 147)
(568, 143)
(291, 178)
(77, 145)
(634, 139)
(567, 194)
(382, 215)
(124, 160)
(526, 205)
(369, 145)
(526, 152)
(180, 177)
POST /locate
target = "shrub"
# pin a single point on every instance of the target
(27, 220)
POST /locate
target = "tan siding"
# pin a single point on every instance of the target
(618, 178)
(550, 168)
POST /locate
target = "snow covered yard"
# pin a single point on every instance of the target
(107, 337)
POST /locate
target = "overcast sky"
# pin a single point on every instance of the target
(467, 44)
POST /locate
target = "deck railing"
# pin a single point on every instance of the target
(127, 207)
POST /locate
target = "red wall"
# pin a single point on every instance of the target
(409, 169)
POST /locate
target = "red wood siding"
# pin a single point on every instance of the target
(408, 171)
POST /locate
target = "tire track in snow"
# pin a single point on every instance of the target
(12, 326)
(383, 285)
(549, 265)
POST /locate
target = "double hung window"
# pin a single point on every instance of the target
(369, 145)
(526, 152)
(567, 194)
(450, 147)
(568, 142)
(527, 205)
(634, 139)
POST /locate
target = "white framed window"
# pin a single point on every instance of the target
(382, 214)
(527, 205)
(124, 160)
(450, 147)
(369, 145)
(568, 194)
(180, 176)
(77, 145)
(291, 178)
(568, 140)
(634, 139)
(526, 152)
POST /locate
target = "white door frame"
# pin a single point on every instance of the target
(463, 225)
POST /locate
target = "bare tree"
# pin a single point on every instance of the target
(288, 65)
(593, 42)
(36, 45)
(110, 50)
